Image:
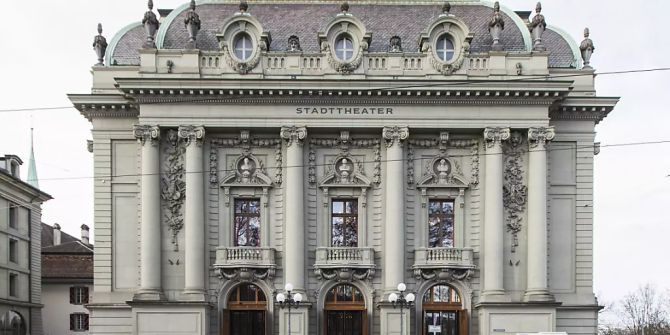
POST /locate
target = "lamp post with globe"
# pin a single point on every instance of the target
(403, 300)
(288, 300)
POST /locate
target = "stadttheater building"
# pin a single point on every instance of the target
(343, 149)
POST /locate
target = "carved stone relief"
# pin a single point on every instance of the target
(514, 190)
(345, 144)
(344, 274)
(246, 142)
(173, 185)
(443, 143)
(246, 274)
(445, 274)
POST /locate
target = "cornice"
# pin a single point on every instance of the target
(287, 92)
(583, 108)
(104, 105)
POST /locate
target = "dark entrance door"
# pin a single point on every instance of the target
(345, 322)
(345, 312)
(247, 322)
(246, 311)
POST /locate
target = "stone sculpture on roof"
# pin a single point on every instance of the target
(496, 26)
(537, 27)
(192, 23)
(587, 49)
(150, 22)
(100, 45)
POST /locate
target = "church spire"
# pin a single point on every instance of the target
(32, 168)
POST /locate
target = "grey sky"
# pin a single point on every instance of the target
(46, 53)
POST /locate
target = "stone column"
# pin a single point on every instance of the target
(493, 215)
(294, 208)
(150, 225)
(536, 281)
(394, 238)
(194, 214)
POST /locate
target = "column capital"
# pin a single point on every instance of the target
(540, 135)
(495, 135)
(293, 134)
(192, 134)
(395, 134)
(146, 133)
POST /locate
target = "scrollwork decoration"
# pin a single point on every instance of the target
(173, 185)
(514, 190)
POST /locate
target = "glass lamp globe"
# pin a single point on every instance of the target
(281, 297)
(297, 297)
(288, 287)
(402, 287)
(410, 297)
(393, 297)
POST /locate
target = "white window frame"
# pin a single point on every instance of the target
(341, 47)
(244, 37)
(80, 293)
(441, 48)
(79, 324)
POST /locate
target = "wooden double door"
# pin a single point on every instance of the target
(345, 322)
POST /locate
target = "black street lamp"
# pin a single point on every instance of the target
(402, 300)
(288, 300)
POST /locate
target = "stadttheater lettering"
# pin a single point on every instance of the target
(344, 111)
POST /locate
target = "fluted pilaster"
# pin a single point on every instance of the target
(194, 219)
(150, 225)
(294, 207)
(537, 287)
(394, 238)
(493, 214)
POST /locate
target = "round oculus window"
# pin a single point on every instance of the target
(444, 48)
(243, 47)
(344, 48)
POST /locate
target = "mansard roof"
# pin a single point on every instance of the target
(305, 20)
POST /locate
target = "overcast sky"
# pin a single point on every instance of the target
(46, 53)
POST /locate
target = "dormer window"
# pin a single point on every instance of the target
(444, 48)
(344, 48)
(243, 47)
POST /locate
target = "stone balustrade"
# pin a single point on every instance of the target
(227, 257)
(345, 263)
(459, 258)
(343, 256)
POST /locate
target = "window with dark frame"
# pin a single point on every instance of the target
(247, 222)
(247, 305)
(79, 322)
(13, 250)
(78, 295)
(441, 223)
(13, 216)
(344, 223)
(13, 285)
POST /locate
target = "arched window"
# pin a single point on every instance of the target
(243, 47)
(246, 313)
(345, 311)
(12, 323)
(444, 48)
(443, 312)
(344, 48)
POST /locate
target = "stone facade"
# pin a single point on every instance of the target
(20, 242)
(229, 165)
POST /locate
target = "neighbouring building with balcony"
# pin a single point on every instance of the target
(344, 149)
(20, 243)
